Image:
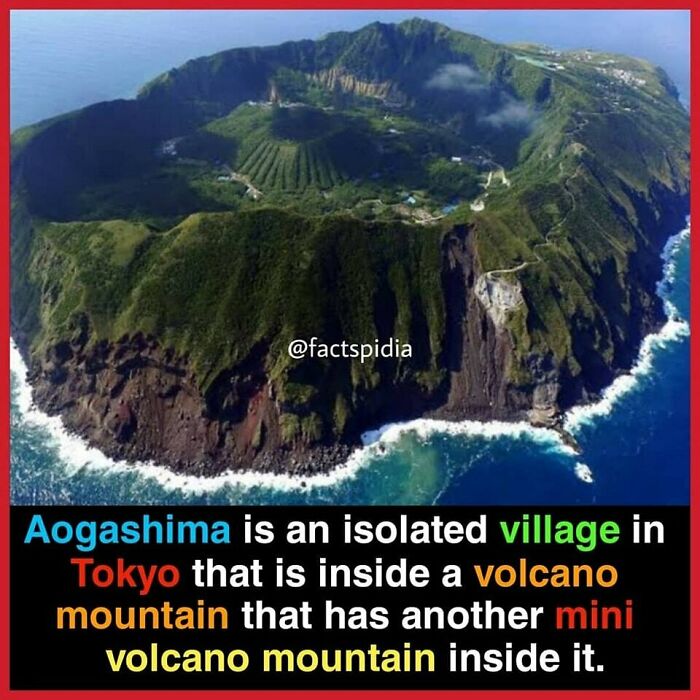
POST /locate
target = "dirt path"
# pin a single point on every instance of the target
(584, 121)
(245, 180)
(548, 236)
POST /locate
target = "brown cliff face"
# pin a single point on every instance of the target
(136, 400)
(477, 352)
(340, 79)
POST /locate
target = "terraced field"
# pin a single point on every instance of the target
(291, 149)
(272, 164)
(161, 240)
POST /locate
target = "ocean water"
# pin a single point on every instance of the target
(635, 441)
(635, 447)
(64, 59)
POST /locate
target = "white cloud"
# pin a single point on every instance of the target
(512, 113)
(457, 76)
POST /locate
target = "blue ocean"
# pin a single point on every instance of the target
(635, 440)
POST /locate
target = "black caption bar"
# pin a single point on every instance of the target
(357, 597)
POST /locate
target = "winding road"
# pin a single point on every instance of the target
(491, 274)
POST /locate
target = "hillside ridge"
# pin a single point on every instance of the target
(500, 208)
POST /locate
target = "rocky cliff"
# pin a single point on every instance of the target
(154, 297)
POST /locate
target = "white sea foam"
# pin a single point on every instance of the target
(583, 472)
(673, 330)
(76, 454)
(669, 257)
(424, 428)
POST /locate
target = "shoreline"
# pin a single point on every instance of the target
(78, 454)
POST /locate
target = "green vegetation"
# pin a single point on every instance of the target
(265, 194)
(452, 180)
(294, 148)
(218, 284)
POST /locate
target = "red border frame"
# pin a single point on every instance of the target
(7, 5)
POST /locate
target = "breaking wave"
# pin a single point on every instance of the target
(673, 330)
(77, 455)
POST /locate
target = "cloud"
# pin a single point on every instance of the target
(460, 77)
(457, 76)
(511, 114)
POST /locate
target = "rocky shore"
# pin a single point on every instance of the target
(138, 402)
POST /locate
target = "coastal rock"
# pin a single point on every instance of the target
(156, 319)
(498, 296)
